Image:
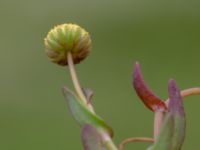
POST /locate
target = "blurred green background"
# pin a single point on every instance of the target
(163, 35)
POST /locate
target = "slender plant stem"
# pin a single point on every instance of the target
(110, 145)
(158, 119)
(107, 141)
(76, 82)
(191, 91)
(135, 139)
(75, 78)
(105, 137)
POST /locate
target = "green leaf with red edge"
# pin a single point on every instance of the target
(90, 138)
(150, 100)
(82, 114)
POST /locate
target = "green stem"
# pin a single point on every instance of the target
(158, 119)
(110, 145)
(107, 141)
(76, 82)
(105, 137)
(75, 78)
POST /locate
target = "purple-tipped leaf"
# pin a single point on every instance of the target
(90, 138)
(150, 100)
(172, 132)
(175, 99)
(163, 141)
(176, 108)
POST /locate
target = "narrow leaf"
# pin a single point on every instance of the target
(163, 141)
(176, 108)
(173, 128)
(150, 100)
(82, 114)
(90, 138)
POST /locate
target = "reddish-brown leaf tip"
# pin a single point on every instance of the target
(150, 100)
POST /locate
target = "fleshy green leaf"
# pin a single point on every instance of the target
(177, 110)
(90, 138)
(164, 139)
(82, 114)
(173, 129)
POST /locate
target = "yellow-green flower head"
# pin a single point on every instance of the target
(66, 38)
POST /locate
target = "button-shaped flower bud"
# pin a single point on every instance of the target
(67, 38)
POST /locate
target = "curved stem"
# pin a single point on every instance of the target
(191, 91)
(75, 78)
(107, 140)
(135, 139)
(105, 137)
(108, 143)
(76, 82)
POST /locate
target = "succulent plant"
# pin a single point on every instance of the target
(69, 44)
